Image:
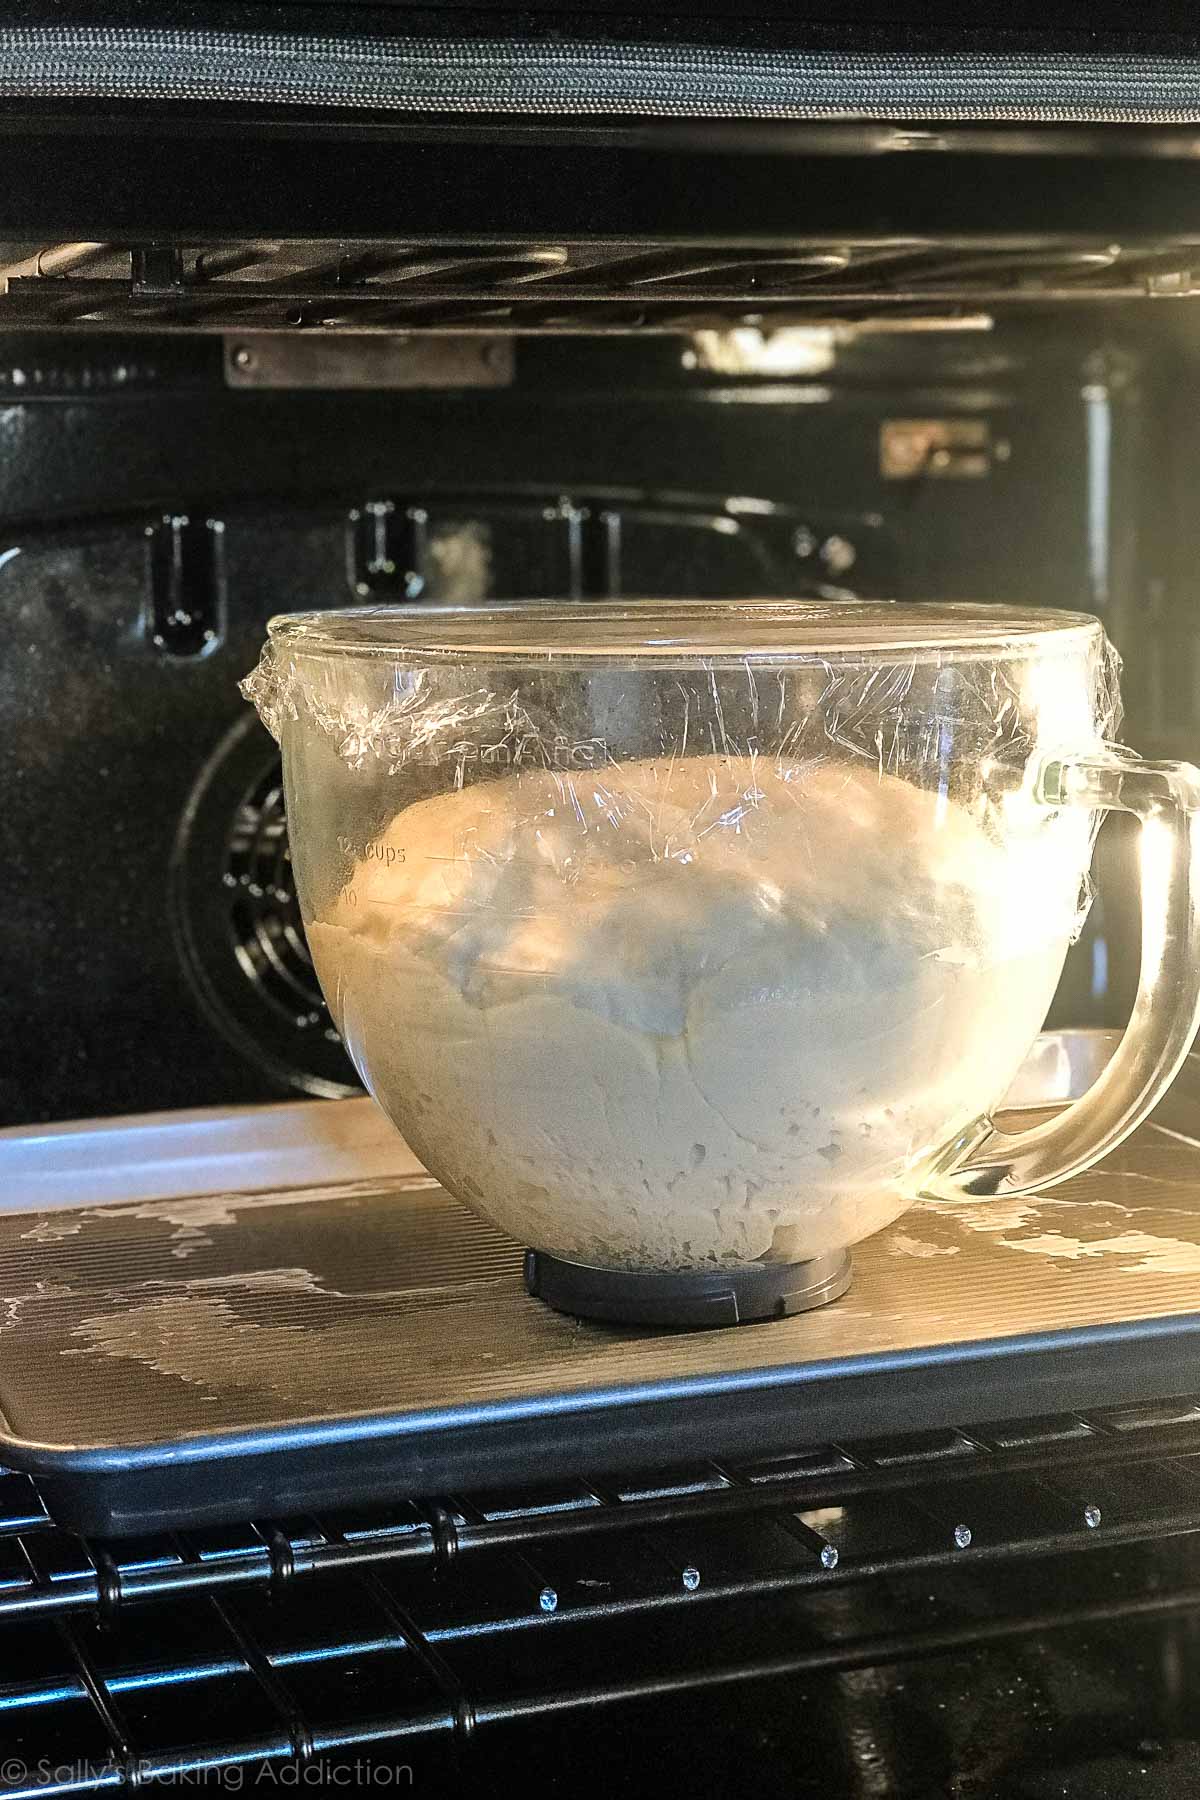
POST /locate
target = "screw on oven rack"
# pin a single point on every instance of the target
(548, 1600)
(243, 357)
(691, 1578)
(962, 1536)
(1091, 1517)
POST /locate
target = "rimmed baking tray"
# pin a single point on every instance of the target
(181, 1358)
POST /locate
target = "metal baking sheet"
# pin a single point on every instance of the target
(191, 1358)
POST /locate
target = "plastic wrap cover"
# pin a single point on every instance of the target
(395, 684)
(681, 937)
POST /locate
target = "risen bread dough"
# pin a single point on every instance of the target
(680, 1013)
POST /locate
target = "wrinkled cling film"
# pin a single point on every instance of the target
(691, 965)
(973, 727)
(866, 708)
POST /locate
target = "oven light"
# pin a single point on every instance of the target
(796, 350)
(807, 349)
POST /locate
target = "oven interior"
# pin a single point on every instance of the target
(897, 361)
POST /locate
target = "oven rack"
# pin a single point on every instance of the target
(636, 286)
(423, 1624)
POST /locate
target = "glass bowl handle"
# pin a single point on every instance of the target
(1165, 796)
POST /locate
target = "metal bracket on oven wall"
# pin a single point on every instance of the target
(280, 360)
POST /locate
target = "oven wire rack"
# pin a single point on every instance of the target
(277, 1643)
(636, 286)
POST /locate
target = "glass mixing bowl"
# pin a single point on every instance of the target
(690, 943)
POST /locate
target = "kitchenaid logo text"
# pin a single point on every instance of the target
(531, 750)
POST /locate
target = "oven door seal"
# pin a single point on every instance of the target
(581, 78)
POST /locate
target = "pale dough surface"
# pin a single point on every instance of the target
(683, 1013)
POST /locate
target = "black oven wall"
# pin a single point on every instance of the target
(152, 517)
